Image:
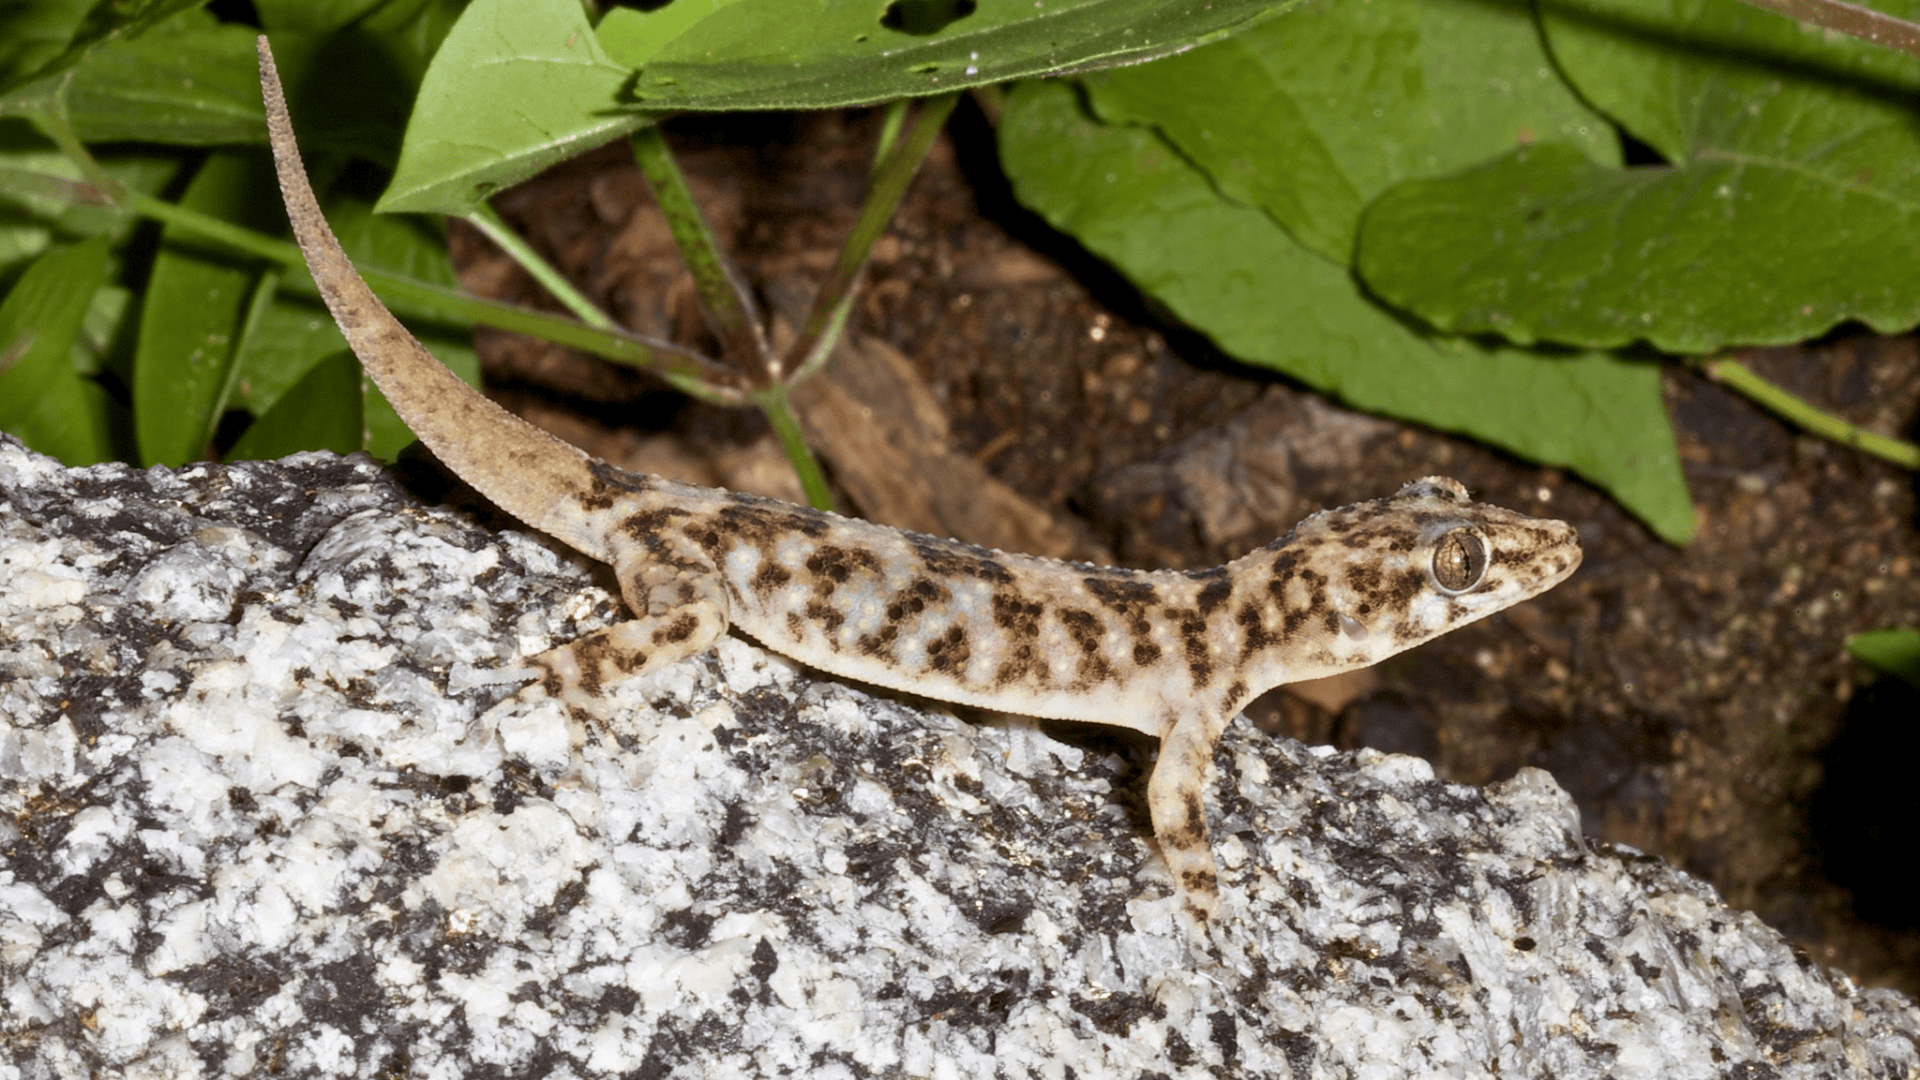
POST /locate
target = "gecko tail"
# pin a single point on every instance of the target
(520, 468)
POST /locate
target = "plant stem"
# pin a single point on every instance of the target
(687, 371)
(890, 179)
(485, 218)
(1838, 15)
(892, 124)
(773, 401)
(55, 125)
(723, 299)
(1741, 379)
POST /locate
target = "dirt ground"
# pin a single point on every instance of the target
(1003, 386)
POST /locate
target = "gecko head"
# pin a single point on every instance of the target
(1358, 584)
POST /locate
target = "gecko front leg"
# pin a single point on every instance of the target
(1176, 799)
(679, 606)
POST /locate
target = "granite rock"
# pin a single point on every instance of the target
(256, 818)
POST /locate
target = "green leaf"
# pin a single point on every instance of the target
(31, 90)
(632, 37)
(43, 400)
(190, 82)
(1789, 207)
(34, 32)
(1230, 271)
(1544, 245)
(196, 299)
(322, 412)
(1310, 117)
(1896, 652)
(790, 54)
(516, 86)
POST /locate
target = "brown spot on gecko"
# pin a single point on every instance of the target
(1213, 595)
(1193, 644)
(838, 564)
(1092, 671)
(948, 653)
(1021, 665)
(1020, 618)
(760, 522)
(1082, 627)
(679, 630)
(1128, 597)
(920, 594)
(824, 615)
(648, 525)
(769, 577)
(611, 487)
(1191, 830)
(1253, 630)
(707, 539)
(879, 644)
(950, 559)
(1201, 881)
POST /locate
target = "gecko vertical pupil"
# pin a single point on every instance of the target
(1459, 561)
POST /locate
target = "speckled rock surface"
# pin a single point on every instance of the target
(252, 823)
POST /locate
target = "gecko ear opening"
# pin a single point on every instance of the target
(1459, 561)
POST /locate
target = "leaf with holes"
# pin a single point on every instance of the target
(818, 54)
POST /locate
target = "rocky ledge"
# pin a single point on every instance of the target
(256, 818)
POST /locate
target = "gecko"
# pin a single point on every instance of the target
(1171, 654)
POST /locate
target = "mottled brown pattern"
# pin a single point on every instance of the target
(954, 560)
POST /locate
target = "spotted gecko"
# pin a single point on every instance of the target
(1173, 654)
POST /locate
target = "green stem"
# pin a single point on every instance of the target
(892, 124)
(25, 183)
(890, 179)
(257, 307)
(54, 124)
(485, 218)
(688, 372)
(772, 400)
(1742, 380)
(992, 101)
(723, 299)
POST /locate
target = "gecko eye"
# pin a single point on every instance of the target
(1459, 561)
